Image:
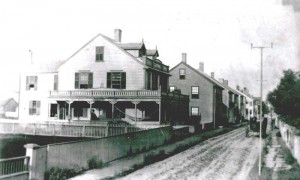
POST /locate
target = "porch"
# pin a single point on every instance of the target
(141, 106)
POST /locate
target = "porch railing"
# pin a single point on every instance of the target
(105, 93)
(67, 130)
(14, 165)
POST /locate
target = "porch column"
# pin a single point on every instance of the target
(159, 111)
(113, 108)
(49, 110)
(90, 103)
(135, 107)
(69, 113)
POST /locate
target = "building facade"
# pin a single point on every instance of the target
(112, 79)
(204, 93)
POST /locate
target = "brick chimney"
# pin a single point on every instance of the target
(238, 87)
(184, 57)
(201, 66)
(118, 35)
(212, 74)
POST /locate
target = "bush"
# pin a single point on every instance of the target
(94, 163)
(56, 173)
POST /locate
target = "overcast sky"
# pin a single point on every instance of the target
(217, 32)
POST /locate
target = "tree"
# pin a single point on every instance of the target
(285, 98)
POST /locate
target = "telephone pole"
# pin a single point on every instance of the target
(261, 101)
(31, 56)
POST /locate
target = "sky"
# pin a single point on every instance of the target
(216, 32)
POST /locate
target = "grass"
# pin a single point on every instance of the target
(294, 172)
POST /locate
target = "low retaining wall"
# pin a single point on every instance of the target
(291, 139)
(76, 154)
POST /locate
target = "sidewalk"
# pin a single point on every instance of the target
(274, 161)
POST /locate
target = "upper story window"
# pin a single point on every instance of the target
(116, 80)
(83, 80)
(195, 92)
(99, 53)
(181, 73)
(172, 88)
(55, 87)
(34, 107)
(31, 82)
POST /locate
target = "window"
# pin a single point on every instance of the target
(195, 92)
(99, 53)
(83, 80)
(172, 88)
(116, 80)
(34, 107)
(195, 111)
(55, 87)
(181, 73)
(31, 82)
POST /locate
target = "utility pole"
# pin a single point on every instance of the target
(30, 56)
(261, 101)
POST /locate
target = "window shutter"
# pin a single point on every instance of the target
(56, 82)
(108, 83)
(35, 82)
(90, 81)
(27, 82)
(76, 80)
(30, 107)
(123, 80)
(38, 107)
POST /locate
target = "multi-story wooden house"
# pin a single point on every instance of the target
(115, 80)
(204, 91)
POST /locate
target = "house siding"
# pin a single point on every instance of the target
(206, 89)
(45, 84)
(115, 59)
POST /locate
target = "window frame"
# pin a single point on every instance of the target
(195, 107)
(114, 85)
(34, 107)
(193, 95)
(99, 53)
(182, 76)
(78, 81)
(171, 88)
(31, 80)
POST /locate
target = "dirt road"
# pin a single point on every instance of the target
(229, 156)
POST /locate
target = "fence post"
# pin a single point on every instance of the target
(83, 131)
(106, 130)
(37, 162)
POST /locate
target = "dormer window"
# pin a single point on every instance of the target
(99, 53)
(31, 82)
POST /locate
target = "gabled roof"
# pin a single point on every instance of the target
(131, 46)
(214, 81)
(152, 52)
(109, 40)
(4, 102)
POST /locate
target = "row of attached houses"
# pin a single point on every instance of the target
(127, 81)
(211, 100)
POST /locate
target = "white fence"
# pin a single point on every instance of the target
(290, 136)
(67, 130)
(14, 168)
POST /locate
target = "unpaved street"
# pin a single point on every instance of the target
(229, 156)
